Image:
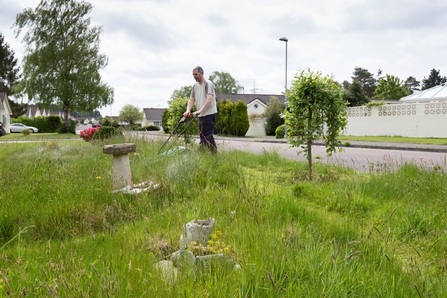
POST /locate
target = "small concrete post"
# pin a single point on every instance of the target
(122, 176)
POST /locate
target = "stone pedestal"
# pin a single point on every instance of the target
(121, 176)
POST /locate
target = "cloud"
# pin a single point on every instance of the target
(392, 15)
(152, 45)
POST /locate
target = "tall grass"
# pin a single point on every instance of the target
(63, 233)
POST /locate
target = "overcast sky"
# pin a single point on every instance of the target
(152, 45)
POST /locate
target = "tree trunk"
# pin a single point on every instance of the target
(309, 144)
(66, 124)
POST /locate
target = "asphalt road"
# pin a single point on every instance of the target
(359, 158)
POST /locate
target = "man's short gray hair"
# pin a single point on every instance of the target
(199, 69)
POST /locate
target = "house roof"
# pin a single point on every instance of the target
(32, 109)
(2, 96)
(4, 103)
(154, 113)
(437, 93)
(248, 98)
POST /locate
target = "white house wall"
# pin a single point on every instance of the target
(256, 128)
(255, 109)
(406, 120)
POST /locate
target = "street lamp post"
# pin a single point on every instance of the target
(285, 85)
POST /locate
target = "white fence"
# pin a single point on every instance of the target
(406, 120)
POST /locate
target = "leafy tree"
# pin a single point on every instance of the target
(9, 71)
(412, 84)
(391, 87)
(62, 60)
(379, 75)
(176, 110)
(434, 79)
(346, 85)
(184, 91)
(366, 80)
(131, 114)
(272, 115)
(355, 95)
(224, 83)
(9, 76)
(316, 108)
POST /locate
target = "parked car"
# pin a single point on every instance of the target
(19, 127)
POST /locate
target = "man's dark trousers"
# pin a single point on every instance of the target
(206, 126)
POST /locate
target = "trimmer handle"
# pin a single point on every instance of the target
(184, 118)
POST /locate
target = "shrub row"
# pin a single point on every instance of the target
(49, 124)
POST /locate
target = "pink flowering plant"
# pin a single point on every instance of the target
(87, 134)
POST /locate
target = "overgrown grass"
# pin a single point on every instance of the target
(38, 136)
(64, 233)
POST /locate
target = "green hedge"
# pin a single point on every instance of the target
(49, 124)
(106, 132)
(149, 128)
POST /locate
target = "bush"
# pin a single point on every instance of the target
(88, 134)
(165, 121)
(149, 128)
(106, 121)
(70, 129)
(239, 119)
(54, 123)
(272, 116)
(279, 132)
(223, 117)
(106, 132)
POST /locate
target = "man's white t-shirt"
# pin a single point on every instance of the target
(199, 94)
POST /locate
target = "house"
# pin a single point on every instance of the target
(35, 111)
(256, 104)
(153, 116)
(5, 111)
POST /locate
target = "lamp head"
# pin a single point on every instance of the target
(284, 39)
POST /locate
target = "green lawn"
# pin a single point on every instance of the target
(63, 233)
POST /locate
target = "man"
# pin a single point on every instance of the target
(204, 97)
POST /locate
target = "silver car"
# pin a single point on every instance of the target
(19, 127)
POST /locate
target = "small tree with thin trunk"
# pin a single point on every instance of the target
(316, 109)
(131, 114)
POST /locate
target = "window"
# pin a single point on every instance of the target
(255, 106)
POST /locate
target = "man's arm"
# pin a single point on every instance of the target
(191, 102)
(209, 99)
